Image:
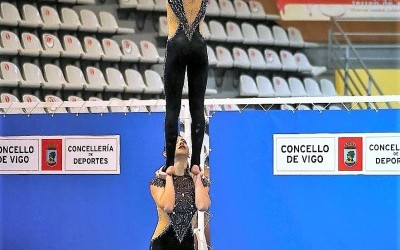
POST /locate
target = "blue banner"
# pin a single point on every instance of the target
(255, 210)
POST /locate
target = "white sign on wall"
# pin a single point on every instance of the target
(382, 153)
(60, 155)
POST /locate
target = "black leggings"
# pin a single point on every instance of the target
(181, 54)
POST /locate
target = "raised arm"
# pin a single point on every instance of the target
(163, 193)
(202, 198)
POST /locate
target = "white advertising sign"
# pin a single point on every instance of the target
(304, 153)
(382, 153)
(19, 154)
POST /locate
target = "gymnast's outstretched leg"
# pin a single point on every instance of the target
(197, 71)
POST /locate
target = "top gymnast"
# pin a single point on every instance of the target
(186, 49)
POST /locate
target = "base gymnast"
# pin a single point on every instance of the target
(178, 195)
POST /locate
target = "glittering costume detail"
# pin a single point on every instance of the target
(178, 8)
(175, 229)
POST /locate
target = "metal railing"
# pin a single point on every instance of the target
(345, 60)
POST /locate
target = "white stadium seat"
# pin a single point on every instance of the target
(160, 5)
(118, 105)
(240, 58)
(73, 47)
(296, 87)
(150, 53)
(33, 76)
(217, 31)
(112, 52)
(92, 49)
(257, 10)
(70, 19)
(212, 59)
(9, 14)
(264, 87)
(11, 43)
(79, 108)
(256, 59)
(97, 109)
(95, 79)
(10, 74)
(110, 25)
(234, 34)
(162, 26)
(295, 37)
(145, 5)
(280, 36)
(272, 60)
(312, 87)
(55, 79)
(31, 45)
(224, 57)
(288, 61)
(10, 99)
(115, 80)
(54, 103)
(247, 87)
(281, 87)
(213, 8)
(128, 4)
(76, 79)
(33, 99)
(130, 51)
(305, 66)
(153, 82)
(327, 88)
(89, 21)
(52, 46)
(205, 30)
(31, 17)
(249, 34)
(50, 17)
(242, 9)
(226, 8)
(134, 80)
(265, 35)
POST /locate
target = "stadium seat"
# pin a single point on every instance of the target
(10, 99)
(265, 35)
(213, 8)
(9, 14)
(112, 52)
(73, 47)
(110, 25)
(95, 79)
(281, 87)
(11, 44)
(256, 57)
(31, 17)
(79, 108)
(85, 1)
(137, 108)
(296, 87)
(240, 58)
(205, 30)
(318, 107)
(256, 10)
(212, 59)
(231, 107)
(130, 51)
(97, 109)
(249, 34)
(145, 5)
(33, 76)
(55, 79)
(10, 75)
(134, 80)
(234, 34)
(89, 21)
(224, 57)
(33, 110)
(160, 5)
(150, 53)
(226, 8)
(54, 104)
(92, 49)
(295, 37)
(272, 60)
(115, 80)
(217, 31)
(242, 9)
(153, 82)
(211, 89)
(264, 87)
(75, 78)
(327, 88)
(305, 66)
(31, 45)
(70, 19)
(128, 4)
(52, 46)
(117, 105)
(162, 26)
(312, 87)
(247, 87)
(303, 107)
(50, 17)
(157, 108)
(280, 36)
(287, 107)
(288, 61)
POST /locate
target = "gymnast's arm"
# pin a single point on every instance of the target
(202, 198)
(164, 196)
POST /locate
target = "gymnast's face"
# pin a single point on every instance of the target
(181, 147)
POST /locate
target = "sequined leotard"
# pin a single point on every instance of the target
(174, 230)
(186, 49)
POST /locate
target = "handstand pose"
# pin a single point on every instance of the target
(186, 50)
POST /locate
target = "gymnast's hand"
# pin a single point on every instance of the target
(195, 170)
